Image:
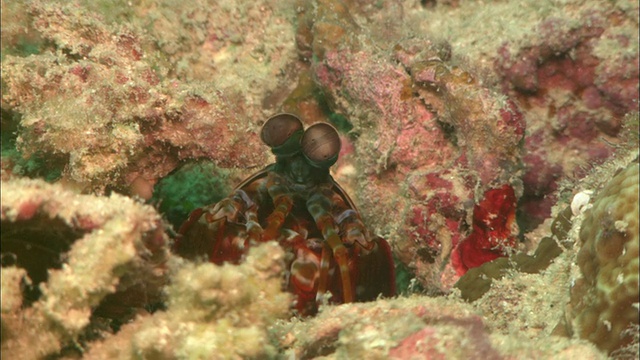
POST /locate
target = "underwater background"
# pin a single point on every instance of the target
(493, 144)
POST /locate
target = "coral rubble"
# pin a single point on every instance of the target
(569, 277)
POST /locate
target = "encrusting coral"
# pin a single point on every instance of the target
(604, 301)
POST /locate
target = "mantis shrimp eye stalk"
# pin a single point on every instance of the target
(321, 145)
(282, 133)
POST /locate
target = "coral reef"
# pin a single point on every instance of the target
(219, 312)
(425, 128)
(431, 120)
(69, 258)
(604, 302)
(560, 281)
(107, 259)
(413, 327)
(478, 140)
(573, 67)
(101, 102)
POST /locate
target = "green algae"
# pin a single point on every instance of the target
(192, 186)
(38, 165)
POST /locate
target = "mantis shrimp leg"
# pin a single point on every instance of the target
(319, 207)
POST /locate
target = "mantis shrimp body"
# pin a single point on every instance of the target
(296, 202)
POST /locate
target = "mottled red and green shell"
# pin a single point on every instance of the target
(296, 202)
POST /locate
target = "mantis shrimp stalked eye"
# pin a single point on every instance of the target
(321, 145)
(296, 202)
